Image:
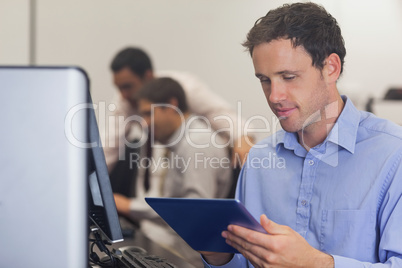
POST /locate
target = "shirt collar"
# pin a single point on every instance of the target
(343, 133)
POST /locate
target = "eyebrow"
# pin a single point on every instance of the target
(146, 113)
(259, 75)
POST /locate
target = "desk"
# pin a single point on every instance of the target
(140, 240)
(153, 249)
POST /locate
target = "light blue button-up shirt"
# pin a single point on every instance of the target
(343, 196)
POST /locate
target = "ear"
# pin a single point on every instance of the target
(174, 102)
(333, 68)
(148, 75)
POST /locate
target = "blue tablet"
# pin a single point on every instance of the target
(200, 222)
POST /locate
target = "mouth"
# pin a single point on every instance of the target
(284, 112)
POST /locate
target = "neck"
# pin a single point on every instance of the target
(315, 133)
(176, 124)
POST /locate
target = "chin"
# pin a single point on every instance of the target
(289, 126)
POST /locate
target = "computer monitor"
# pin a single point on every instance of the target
(43, 176)
(388, 109)
(50, 174)
(101, 205)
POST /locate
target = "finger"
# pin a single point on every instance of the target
(254, 253)
(243, 237)
(272, 227)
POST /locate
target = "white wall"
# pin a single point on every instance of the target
(14, 32)
(373, 34)
(201, 36)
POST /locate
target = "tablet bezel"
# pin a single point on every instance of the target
(200, 222)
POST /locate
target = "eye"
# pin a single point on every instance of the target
(125, 87)
(289, 77)
(265, 80)
(145, 113)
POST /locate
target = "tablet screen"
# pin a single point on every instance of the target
(200, 222)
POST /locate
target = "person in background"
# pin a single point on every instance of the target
(193, 168)
(336, 198)
(132, 68)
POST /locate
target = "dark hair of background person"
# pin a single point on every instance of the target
(134, 58)
(305, 24)
(162, 90)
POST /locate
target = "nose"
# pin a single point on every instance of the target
(277, 92)
(125, 94)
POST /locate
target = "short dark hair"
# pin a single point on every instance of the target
(305, 24)
(134, 58)
(162, 90)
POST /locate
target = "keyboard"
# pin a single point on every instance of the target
(136, 257)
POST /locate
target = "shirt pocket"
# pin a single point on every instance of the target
(349, 233)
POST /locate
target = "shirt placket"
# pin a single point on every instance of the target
(305, 194)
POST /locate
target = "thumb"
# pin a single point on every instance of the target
(270, 226)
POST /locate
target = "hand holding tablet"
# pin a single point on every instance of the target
(200, 222)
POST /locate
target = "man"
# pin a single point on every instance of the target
(131, 69)
(196, 167)
(338, 200)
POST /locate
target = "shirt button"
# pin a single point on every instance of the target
(311, 162)
(304, 202)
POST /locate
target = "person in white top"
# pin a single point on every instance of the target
(197, 164)
(131, 68)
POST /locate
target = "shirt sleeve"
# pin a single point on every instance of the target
(343, 262)
(237, 261)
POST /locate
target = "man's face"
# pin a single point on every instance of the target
(128, 83)
(158, 119)
(294, 88)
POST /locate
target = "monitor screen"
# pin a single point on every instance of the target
(101, 205)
